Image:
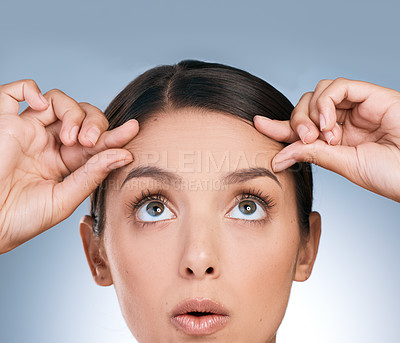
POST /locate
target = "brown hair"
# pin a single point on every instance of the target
(203, 85)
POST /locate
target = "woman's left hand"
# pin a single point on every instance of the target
(349, 127)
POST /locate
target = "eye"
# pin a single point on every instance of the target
(154, 211)
(247, 209)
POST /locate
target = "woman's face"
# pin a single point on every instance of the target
(201, 239)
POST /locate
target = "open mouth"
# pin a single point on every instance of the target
(199, 317)
(199, 314)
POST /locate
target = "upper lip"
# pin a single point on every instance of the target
(199, 305)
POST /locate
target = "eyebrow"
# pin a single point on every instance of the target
(165, 176)
(243, 175)
(155, 173)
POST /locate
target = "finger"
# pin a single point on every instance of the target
(24, 90)
(118, 137)
(280, 131)
(334, 136)
(339, 159)
(344, 94)
(313, 108)
(94, 124)
(83, 181)
(64, 108)
(77, 155)
(301, 122)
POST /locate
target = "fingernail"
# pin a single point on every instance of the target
(281, 165)
(43, 99)
(329, 136)
(73, 134)
(119, 164)
(133, 121)
(303, 132)
(276, 167)
(260, 118)
(322, 122)
(93, 135)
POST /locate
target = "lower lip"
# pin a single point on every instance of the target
(200, 325)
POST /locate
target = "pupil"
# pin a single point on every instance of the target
(247, 207)
(155, 208)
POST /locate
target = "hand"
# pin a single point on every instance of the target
(349, 127)
(53, 138)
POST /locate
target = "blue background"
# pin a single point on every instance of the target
(92, 49)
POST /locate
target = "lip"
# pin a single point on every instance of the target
(214, 319)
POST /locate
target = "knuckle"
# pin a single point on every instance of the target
(101, 121)
(340, 79)
(312, 156)
(306, 96)
(94, 114)
(30, 83)
(55, 92)
(298, 113)
(323, 83)
(303, 103)
(288, 136)
(104, 120)
(309, 154)
(78, 112)
(322, 104)
(294, 114)
(340, 82)
(319, 101)
(73, 113)
(323, 101)
(24, 82)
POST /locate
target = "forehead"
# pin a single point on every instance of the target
(192, 140)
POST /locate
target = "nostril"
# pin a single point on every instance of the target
(209, 270)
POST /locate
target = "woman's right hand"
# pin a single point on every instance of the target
(52, 156)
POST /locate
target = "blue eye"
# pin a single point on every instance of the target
(248, 210)
(154, 211)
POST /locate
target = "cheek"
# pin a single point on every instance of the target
(141, 276)
(262, 275)
(256, 274)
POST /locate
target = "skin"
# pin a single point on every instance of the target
(155, 267)
(343, 124)
(53, 138)
(349, 127)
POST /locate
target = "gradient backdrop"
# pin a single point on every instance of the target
(92, 49)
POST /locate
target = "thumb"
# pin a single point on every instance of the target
(70, 193)
(340, 159)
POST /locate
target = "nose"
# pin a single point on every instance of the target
(200, 257)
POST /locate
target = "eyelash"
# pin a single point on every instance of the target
(264, 200)
(147, 196)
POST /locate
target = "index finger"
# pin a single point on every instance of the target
(24, 90)
(342, 94)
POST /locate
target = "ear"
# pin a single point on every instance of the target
(308, 249)
(95, 253)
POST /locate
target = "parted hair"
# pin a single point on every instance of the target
(210, 86)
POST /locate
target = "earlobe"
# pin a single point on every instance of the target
(94, 251)
(308, 249)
